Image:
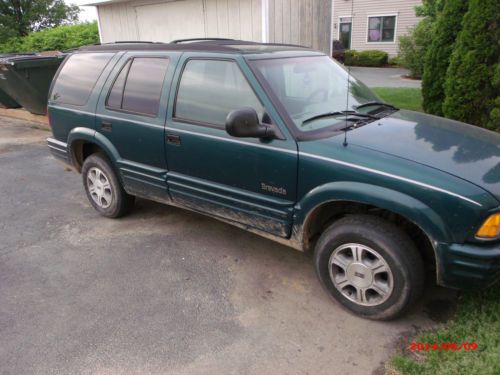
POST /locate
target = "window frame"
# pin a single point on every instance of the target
(206, 123)
(131, 60)
(395, 15)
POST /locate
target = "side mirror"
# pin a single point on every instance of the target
(244, 123)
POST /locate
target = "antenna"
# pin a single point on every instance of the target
(348, 83)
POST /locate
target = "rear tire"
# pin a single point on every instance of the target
(103, 188)
(370, 266)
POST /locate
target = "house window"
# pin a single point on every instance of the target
(381, 29)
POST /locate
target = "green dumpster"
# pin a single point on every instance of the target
(27, 79)
(5, 100)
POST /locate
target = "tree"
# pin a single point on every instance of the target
(437, 59)
(494, 121)
(470, 86)
(429, 8)
(19, 17)
(415, 45)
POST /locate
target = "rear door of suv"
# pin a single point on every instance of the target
(131, 113)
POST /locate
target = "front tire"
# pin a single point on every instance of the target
(103, 187)
(370, 266)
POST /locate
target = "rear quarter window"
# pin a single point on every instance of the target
(78, 77)
(137, 88)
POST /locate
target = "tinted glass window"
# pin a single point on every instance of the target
(78, 77)
(144, 83)
(116, 93)
(209, 90)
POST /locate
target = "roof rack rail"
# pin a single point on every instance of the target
(133, 41)
(178, 41)
(127, 42)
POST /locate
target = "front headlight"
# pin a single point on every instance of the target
(490, 228)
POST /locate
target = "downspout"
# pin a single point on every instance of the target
(330, 49)
(99, 24)
(265, 20)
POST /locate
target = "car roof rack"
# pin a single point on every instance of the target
(188, 40)
(191, 44)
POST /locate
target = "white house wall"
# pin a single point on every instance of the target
(405, 19)
(166, 20)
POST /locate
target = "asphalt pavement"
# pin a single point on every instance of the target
(163, 290)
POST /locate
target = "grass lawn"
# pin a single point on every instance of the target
(401, 97)
(477, 320)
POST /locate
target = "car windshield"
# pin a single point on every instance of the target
(313, 90)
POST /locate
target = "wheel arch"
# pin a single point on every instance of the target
(326, 204)
(83, 142)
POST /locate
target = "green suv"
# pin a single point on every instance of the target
(280, 140)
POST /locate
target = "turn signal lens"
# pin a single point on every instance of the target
(490, 228)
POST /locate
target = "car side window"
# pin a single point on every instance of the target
(78, 76)
(138, 86)
(116, 92)
(210, 89)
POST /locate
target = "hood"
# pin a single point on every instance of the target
(465, 151)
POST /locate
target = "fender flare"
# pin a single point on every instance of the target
(91, 136)
(404, 205)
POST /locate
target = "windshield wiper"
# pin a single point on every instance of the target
(369, 104)
(340, 113)
(359, 114)
(326, 114)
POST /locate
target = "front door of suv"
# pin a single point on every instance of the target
(245, 180)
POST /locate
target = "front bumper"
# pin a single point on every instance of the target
(468, 266)
(58, 149)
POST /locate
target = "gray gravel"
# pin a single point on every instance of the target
(162, 291)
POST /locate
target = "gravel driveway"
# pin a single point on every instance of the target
(162, 291)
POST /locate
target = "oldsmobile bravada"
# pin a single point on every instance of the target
(281, 141)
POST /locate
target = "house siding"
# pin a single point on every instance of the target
(237, 19)
(405, 20)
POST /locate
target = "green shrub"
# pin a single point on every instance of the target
(13, 44)
(470, 88)
(58, 38)
(366, 58)
(396, 60)
(413, 47)
(437, 59)
(62, 37)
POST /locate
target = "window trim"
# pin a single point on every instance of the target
(121, 110)
(395, 15)
(206, 123)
